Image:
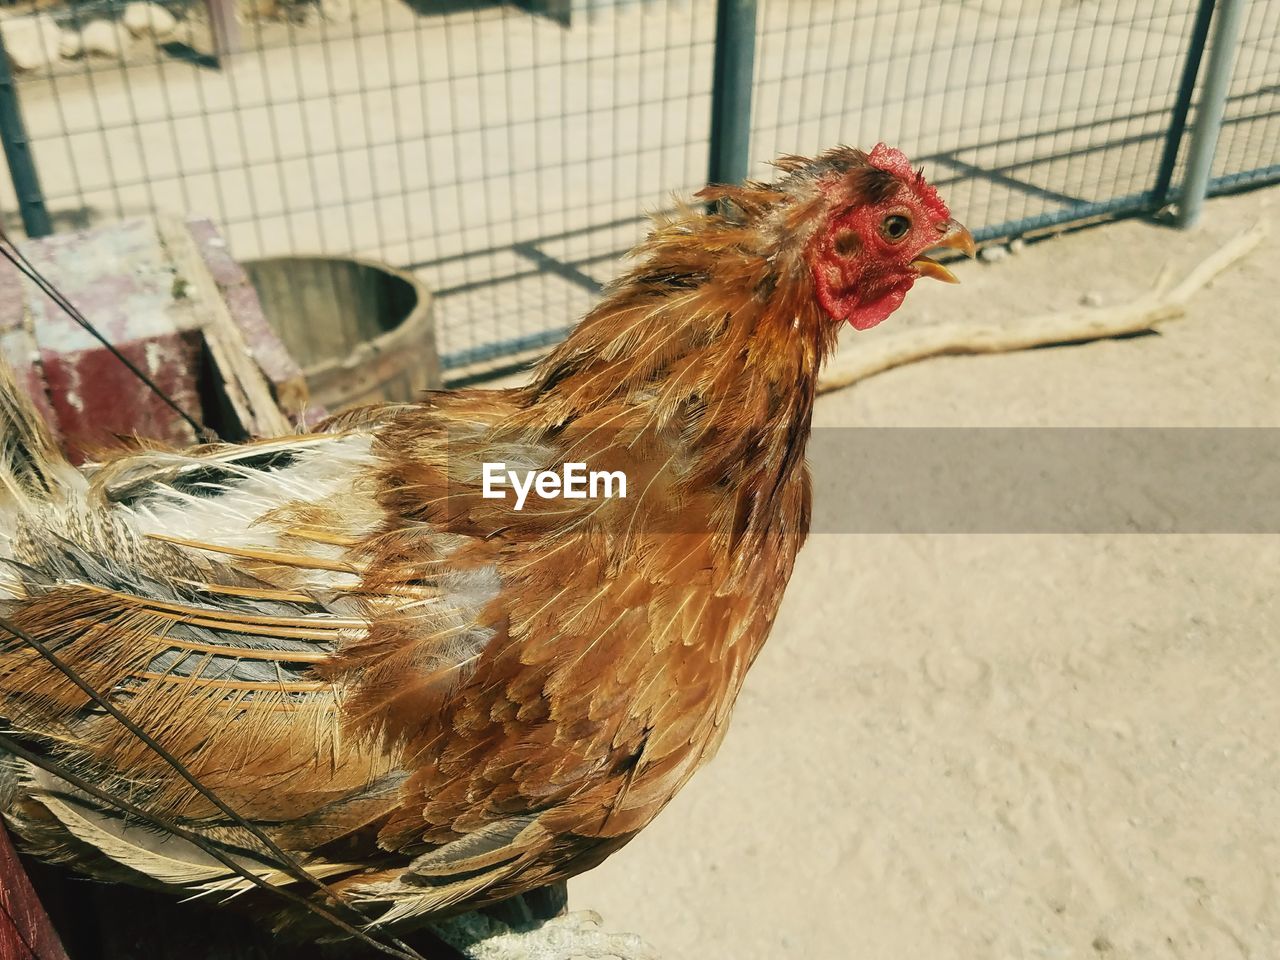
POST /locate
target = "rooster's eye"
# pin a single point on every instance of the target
(895, 227)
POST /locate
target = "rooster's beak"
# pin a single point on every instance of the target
(955, 237)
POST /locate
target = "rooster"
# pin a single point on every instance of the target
(342, 653)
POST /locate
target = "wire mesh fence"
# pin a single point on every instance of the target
(509, 154)
(1249, 151)
(1027, 113)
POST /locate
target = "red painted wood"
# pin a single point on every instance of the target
(121, 277)
(97, 399)
(25, 930)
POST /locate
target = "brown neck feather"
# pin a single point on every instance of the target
(717, 311)
(716, 335)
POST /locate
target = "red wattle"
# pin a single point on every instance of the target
(867, 315)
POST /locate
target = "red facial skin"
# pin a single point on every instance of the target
(861, 274)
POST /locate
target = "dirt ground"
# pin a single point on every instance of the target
(1008, 746)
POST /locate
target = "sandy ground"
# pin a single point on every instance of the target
(1008, 746)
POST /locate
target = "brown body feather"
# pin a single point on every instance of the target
(431, 699)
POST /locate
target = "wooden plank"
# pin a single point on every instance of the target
(280, 367)
(119, 277)
(247, 390)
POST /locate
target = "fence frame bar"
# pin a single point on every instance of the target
(225, 27)
(17, 150)
(1227, 21)
(731, 79)
(1186, 94)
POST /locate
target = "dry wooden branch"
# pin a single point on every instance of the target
(1146, 312)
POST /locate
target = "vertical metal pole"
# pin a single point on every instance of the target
(1213, 103)
(1182, 107)
(225, 29)
(561, 11)
(731, 90)
(17, 150)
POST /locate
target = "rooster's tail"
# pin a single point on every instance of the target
(32, 466)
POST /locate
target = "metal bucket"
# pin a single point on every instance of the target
(362, 331)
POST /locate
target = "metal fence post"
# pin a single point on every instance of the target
(1197, 42)
(1213, 103)
(225, 28)
(17, 150)
(731, 90)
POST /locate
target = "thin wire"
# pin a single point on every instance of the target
(15, 256)
(44, 763)
(108, 158)
(489, 203)
(132, 120)
(397, 122)
(287, 862)
(211, 149)
(35, 134)
(340, 150)
(362, 92)
(269, 113)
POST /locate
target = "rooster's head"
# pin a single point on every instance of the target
(865, 222)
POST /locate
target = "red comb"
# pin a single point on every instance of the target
(894, 161)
